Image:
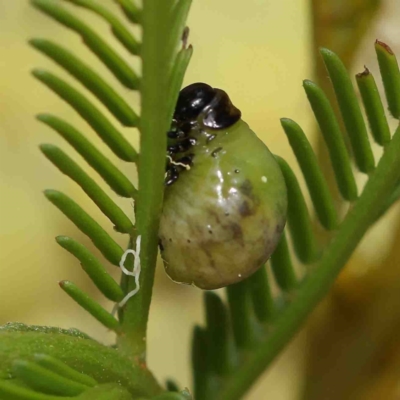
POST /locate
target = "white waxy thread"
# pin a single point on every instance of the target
(186, 166)
(264, 179)
(135, 272)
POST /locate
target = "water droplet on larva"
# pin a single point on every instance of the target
(239, 275)
(264, 179)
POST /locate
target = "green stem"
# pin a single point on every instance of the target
(376, 191)
(154, 124)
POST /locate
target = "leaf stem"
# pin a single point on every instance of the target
(153, 142)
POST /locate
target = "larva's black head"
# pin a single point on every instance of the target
(212, 106)
(192, 100)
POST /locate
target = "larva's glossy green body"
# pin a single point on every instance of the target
(223, 218)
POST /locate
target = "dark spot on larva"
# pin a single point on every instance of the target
(237, 232)
(210, 138)
(216, 151)
(236, 171)
(160, 245)
(245, 210)
(210, 231)
(186, 160)
(246, 188)
(226, 214)
(188, 241)
(170, 239)
(215, 215)
(209, 255)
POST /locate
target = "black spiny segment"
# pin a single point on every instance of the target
(192, 100)
(187, 160)
(173, 149)
(172, 175)
(177, 134)
(171, 179)
(179, 131)
(174, 170)
(172, 134)
(198, 105)
(182, 146)
(185, 127)
(220, 113)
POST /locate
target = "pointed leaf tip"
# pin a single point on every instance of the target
(385, 46)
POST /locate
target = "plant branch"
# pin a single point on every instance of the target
(153, 128)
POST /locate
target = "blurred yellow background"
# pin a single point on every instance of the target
(259, 51)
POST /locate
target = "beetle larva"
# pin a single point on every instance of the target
(225, 198)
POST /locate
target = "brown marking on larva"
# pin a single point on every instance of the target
(170, 240)
(208, 254)
(246, 188)
(189, 241)
(215, 215)
(245, 210)
(197, 230)
(237, 232)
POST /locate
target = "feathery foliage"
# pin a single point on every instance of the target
(242, 337)
(261, 329)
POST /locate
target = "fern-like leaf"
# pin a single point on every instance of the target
(53, 373)
(162, 42)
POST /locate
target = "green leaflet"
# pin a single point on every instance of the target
(102, 363)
